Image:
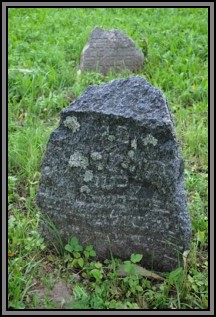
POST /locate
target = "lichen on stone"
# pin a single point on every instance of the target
(72, 123)
(124, 165)
(96, 156)
(111, 137)
(149, 139)
(134, 144)
(106, 132)
(85, 189)
(88, 176)
(100, 167)
(131, 154)
(132, 168)
(78, 160)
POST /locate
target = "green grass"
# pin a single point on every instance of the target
(44, 48)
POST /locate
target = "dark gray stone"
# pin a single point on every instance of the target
(108, 49)
(112, 175)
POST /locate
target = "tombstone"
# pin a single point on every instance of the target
(112, 175)
(110, 49)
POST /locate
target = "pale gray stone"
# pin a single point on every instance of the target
(113, 175)
(110, 49)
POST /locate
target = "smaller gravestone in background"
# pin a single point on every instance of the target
(110, 49)
(112, 175)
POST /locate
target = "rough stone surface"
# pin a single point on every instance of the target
(108, 49)
(112, 175)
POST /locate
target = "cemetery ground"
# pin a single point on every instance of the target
(44, 47)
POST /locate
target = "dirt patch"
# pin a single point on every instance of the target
(60, 295)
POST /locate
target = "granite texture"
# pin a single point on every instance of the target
(112, 175)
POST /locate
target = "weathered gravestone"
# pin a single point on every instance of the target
(112, 175)
(107, 49)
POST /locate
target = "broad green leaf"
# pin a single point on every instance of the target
(76, 255)
(139, 288)
(201, 236)
(73, 241)
(176, 276)
(92, 253)
(135, 258)
(68, 248)
(81, 262)
(129, 267)
(96, 274)
(139, 270)
(86, 253)
(89, 247)
(78, 248)
(98, 265)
